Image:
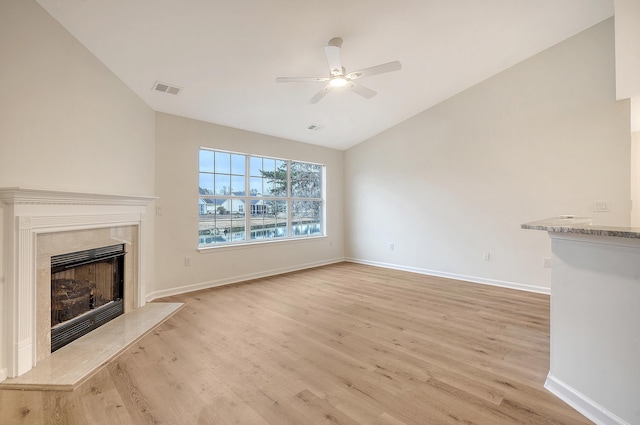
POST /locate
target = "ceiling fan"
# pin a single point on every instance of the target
(338, 76)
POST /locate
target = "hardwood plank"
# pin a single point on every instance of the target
(102, 403)
(62, 408)
(21, 407)
(136, 402)
(386, 419)
(317, 410)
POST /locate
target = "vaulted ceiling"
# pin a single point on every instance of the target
(226, 55)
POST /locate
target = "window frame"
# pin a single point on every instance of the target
(247, 199)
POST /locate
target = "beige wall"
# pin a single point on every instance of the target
(177, 143)
(66, 122)
(544, 138)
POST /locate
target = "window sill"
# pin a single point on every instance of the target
(245, 245)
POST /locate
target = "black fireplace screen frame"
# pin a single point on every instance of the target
(73, 329)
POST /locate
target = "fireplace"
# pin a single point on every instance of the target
(37, 225)
(87, 291)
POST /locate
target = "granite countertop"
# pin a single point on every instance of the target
(581, 225)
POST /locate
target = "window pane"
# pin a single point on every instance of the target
(237, 185)
(207, 234)
(206, 161)
(269, 188)
(206, 184)
(268, 219)
(268, 165)
(208, 229)
(237, 164)
(237, 223)
(207, 206)
(256, 186)
(223, 163)
(239, 207)
(223, 184)
(256, 166)
(257, 211)
(275, 179)
(280, 212)
(224, 226)
(306, 180)
(280, 179)
(306, 217)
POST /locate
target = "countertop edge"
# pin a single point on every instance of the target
(583, 226)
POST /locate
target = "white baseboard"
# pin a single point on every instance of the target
(473, 279)
(587, 407)
(3, 374)
(235, 279)
(221, 282)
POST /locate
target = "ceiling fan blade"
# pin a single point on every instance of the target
(320, 94)
(301, 79)
(332, 50)
(361, 90)
(374, 70)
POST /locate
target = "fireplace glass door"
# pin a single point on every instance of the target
(87, 290)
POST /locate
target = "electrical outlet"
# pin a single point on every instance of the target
(187, 261)
(392, 246)
(546, 262)
(601, 206)
(486, 256)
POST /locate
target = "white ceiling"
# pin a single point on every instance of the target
(226, 54)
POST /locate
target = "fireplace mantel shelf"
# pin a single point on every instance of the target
(73, 364)
(22, 196)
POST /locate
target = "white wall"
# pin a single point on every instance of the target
(178, 141)
(544, 138)
(66, 122)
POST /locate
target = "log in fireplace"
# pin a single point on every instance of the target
(87, 291)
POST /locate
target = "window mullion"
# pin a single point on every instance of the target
(247, 199)
(289, 203)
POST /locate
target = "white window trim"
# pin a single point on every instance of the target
(260, 243)
(289, 199)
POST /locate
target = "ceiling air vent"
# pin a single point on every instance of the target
(314, 127)
(166, 88)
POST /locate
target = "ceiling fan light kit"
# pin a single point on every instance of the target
(338, 76)
(338, 81)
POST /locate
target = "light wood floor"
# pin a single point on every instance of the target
(342, 344)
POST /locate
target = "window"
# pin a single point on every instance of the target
(245, 198)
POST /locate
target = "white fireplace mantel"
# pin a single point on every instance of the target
(25, 213)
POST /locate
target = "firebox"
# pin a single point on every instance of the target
(87, 291)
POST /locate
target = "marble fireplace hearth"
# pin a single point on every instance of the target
(37, 224)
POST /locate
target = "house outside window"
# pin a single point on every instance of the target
(284, 198)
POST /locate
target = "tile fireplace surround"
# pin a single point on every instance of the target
(37, 224)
